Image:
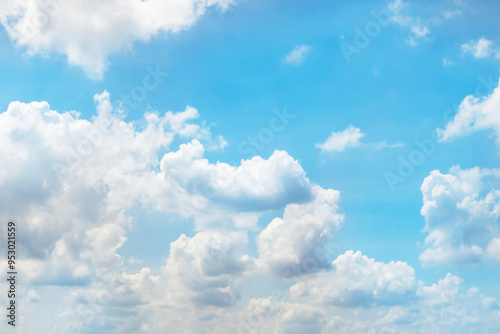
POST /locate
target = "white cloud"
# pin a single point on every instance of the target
(494, 248)
(221, 195)
(444, 291)
(474, 114)
(297, 243)
(384, 298)
(420, 28)
(420, 31)
(481, 48)
(417, 32)
(257, 184)
(356, 280)
(298, 54)
(206, 265)
(461, 211)
(339, 141)
(360, 295)
(87, 32)
(396, 8)
(350, 137)
(70, 180)
(73, 183)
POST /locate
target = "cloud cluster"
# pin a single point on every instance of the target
(66, 176)
(361, 295)
(257, 184)
(87, 32)
(420, 28)
(418, 31)
(461, 211)
(356, 280)
(72, 184)
(204, 268)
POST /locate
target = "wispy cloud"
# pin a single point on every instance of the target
(449, 14)
(482, 48)
(417, 32)
(298, 54)
(447, 62)
(350, 137)
(383, 144)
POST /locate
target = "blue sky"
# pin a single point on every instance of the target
(278, 124)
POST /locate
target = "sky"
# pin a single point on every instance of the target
(249, 166)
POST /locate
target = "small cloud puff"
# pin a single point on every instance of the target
(297, 55)
(350, 137)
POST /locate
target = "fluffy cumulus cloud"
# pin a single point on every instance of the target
(474, 114)
(207, 266)
(88, 171)
(87, 32)
(362, 295)
(356, 280)
(298, 243)
(70, 181)
(257, 184)
(461, 211)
